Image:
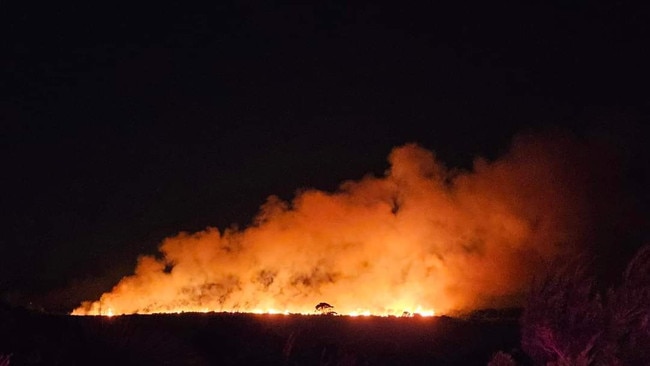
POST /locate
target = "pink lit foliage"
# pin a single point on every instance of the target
(568, 321)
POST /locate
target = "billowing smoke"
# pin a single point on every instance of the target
(422, 237)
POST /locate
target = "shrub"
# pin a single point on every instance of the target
(502, 359)
(5, 360)
(629, 313)
(567, 321)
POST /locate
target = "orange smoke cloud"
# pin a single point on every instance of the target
(421, 237)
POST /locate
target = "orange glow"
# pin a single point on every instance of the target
(419, 238)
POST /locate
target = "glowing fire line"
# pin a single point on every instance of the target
(360, 313)
(419, 311)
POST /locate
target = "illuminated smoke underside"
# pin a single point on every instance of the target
(420, 238)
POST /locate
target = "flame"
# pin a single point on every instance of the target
(419, 238)
(355, 313)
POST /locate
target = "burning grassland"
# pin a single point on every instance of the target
(422, 238)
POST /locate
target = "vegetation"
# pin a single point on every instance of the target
(5, 360)
(250, 339)
(325, 308)
(569, 320)
(502, 359)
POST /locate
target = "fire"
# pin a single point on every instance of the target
(355, 313)
(359, 312)
(419, 238)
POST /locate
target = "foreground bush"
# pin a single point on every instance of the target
(502, 359)
(568, 321)
(5, 360)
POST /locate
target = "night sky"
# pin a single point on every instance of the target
(121, 125)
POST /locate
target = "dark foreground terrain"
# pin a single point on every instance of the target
(246, 339)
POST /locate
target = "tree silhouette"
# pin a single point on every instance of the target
(324, 308)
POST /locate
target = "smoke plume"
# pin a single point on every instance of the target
(422, 237)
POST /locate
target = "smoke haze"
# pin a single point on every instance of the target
(423, 237)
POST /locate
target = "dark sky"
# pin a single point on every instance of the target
(125, 124)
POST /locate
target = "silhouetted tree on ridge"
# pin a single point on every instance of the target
(324, 308)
